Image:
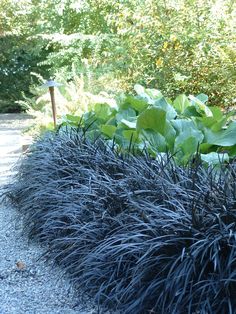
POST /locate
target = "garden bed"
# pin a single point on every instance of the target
(136, 234)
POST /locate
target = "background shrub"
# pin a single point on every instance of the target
(181, 46)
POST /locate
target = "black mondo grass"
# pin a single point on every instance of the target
(134, 234)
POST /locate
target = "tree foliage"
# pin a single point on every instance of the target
(20, 54)
(176, 46)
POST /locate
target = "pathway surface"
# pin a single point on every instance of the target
(27, 285)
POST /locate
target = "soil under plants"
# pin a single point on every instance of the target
(136, 235)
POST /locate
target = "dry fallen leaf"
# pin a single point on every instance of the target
(20, 265)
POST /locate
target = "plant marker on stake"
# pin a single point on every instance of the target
(51, 84)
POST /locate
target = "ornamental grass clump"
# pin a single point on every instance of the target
(135, 234)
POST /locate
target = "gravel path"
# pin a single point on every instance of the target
(27, 285)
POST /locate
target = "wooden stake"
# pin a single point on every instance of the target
(54, 113)
(50, 84)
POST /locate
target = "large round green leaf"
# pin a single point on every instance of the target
(214, 158)
(180, 103)
(108, 130)
(102, 111)
(163, 104)
(188, 138)
(225, 137)
(135, 103)
(155, 141)
(152, 119)
(128, 114)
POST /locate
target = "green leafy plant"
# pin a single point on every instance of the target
(152, 122)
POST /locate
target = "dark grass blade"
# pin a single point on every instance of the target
(136, 235)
